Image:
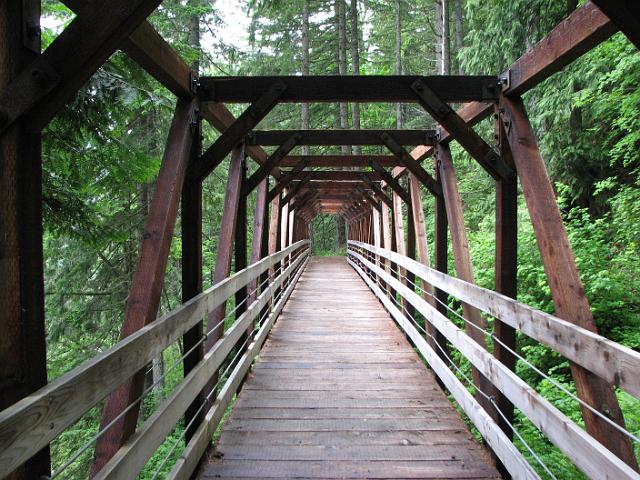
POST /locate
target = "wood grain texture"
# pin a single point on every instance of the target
(338, 392)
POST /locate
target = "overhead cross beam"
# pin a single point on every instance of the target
(392, 182)
(340, 161)
(377, 190)
(233, 135)
(361, 88)
(340, 137)
(286, 179)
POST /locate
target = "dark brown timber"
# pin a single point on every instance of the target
(564, 280)
(625, 15)
(340, 161)
(273, 160)
(148, 279)
(23, 355)
(460, 243)
(332, 88)
(234, 134)
(340, 137)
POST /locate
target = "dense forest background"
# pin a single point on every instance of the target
(102, 153)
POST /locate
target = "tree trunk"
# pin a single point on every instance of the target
(438, 40)
(342, 107)
(459, 26)
(305, 65)
(446, 56)
(398, 52)
(355, 67)
(193, 39)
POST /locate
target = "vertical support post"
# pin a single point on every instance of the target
(562, 273)
(148, 279)
(258, 244)
(228, 225)
(506, 259)
(191, 229)
(274, 231)
(440, 254)
(386, 237)
(455, 217)
(240, 247)
(23, 351)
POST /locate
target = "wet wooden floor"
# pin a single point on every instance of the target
(338, 392)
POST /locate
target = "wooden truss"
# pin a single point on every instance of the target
(371, 198)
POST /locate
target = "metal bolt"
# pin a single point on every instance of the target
(40, 78)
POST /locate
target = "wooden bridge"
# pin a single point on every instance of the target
(342, 367)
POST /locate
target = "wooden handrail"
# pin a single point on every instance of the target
(30, 424)
(133, 455)
(585, 452)
(609, 360)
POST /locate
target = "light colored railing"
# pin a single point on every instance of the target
(33, 422)
(611, 361)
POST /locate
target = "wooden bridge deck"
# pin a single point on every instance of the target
(338, 392)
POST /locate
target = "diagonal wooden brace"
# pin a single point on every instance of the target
(246, 122)
(462, 132)
(263, 171)
(392, 182)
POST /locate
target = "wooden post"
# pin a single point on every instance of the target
(506, 259)
(240, 247)
(274, 231)
(23, 351)
(440, 254)
(191, 229)
(258, 242)
(386, 237)
(148, 279)
(564, 281)
(455, 216)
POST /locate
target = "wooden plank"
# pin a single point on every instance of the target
(340, 137)
(501, 444)
(589, 455)
(51, 79)
(562, 273)
(340, 161)
(367, 412)
(23, 349)
(148, 279)
(332, 88)
(234, 133)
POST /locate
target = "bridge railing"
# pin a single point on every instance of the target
(385, 272)
(33, 422)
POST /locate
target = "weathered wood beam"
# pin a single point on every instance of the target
(340, 161)
(338, 176)
(391, 182)
(414, 167)
(146, 285)
(340, 137)
(221, 118)
(369, 199)
(377, 190)
(562, 273)
(332, 88)
(191, 233)
(462, 257)
(295, 188)
(462, 132)
(23, 349)
(263, 171)
(234, 134)
(51, 79)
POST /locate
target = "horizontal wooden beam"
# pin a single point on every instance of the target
(625, 14)
(336, 175)
(340, 137)
(363, 88)
(338, 161)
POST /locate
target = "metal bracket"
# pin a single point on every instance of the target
(491, 90)
(505, 80)
(194, 82)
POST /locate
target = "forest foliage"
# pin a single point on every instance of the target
(102, 152)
